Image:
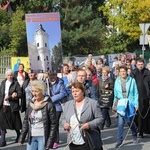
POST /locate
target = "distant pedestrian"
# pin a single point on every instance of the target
(91, 59)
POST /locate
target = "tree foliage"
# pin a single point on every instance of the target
(85, 25)
(4, 30)
(126, 15)
(81, 28)
(18, 44)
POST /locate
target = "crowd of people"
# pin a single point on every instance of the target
(80, 98)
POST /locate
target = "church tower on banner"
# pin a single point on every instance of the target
(39, 51)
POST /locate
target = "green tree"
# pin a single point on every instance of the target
(125, 17)
(33, 6)
(81, 28)
(4, 30)
(18, 43)
(57, 58)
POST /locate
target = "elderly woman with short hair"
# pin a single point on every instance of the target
(10, 92)
(40, 120)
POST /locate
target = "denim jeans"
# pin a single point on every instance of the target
(121, 128)
(37, 143)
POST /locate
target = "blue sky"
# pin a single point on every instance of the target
(52, 28)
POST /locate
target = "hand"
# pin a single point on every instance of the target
(14, 95)
(6, 98)
(85, 126)
(113, 111)
(136, 108)
(66, 126)
(20, 143)
(106, 86)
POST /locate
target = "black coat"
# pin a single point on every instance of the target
(23, 99)
(16, 75)
(146, 82)
(14, 102)
(49, 122)
(143, 84)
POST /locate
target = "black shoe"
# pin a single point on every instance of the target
(118, 144)
(101, 128)
(3, 144)
(140, 136)
(16, 140)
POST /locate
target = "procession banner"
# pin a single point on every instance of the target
(15, 61)
(44, 41)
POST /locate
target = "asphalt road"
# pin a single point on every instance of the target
(108, 137)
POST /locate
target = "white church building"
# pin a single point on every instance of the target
(39, 51)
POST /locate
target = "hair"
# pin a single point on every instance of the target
(70, 63)
(40, 85)
(90, 55)
(118, 68)
(88, 70)
(116, 57)
(9, 71)
(123, 67)
(140, 60)
(21, 65)
(128, 60)
(66, 65)
(106, 68)
(100, 60)
(148, 64)
(78, 85)
(81, 70)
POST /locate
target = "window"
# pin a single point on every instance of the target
(38, 57)
(45, 44)
(46, 57)
(37, 44)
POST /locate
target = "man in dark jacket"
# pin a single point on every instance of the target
(142, 77)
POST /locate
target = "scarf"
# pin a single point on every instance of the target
(21, 73)
(38, 107)
(104, 78)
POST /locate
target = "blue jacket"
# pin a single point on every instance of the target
(89, 90)
(57, 93)
(133, 93)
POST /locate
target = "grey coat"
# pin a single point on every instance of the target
(91, 113)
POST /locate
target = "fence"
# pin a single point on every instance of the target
(5, 62)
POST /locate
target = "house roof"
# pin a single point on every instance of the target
(4, 7)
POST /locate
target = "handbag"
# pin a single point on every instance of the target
(106, 98)
(92, 138)
(122, 105)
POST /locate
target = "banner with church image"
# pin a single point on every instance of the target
(44, 41)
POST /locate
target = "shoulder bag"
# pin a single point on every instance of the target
(92, 138)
